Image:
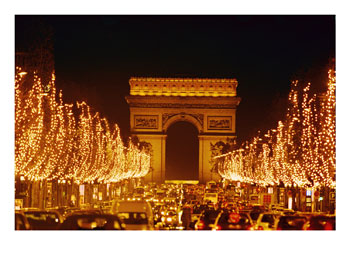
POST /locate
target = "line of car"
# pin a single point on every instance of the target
(171, 207)
(265, 220)
(50, 219)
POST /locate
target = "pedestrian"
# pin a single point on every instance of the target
(186, 216)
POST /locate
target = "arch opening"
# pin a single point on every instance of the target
(182, 152)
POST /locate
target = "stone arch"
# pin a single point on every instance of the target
(183, 117)
(207, 104)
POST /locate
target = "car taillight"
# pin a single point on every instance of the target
(328, 226)
(279, 228)
(250, 228)
(200, 225)
(260, 228)
(218, 228)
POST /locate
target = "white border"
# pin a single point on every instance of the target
(174, 246)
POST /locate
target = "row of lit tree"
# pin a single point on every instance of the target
(54, 140)
(299, 152)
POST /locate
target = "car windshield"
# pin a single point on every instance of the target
(133, 217)
(254, 215)
(210, 216)
(244, 218)
(39, 216)
(267, 218)
(91, 222)
(294, 221)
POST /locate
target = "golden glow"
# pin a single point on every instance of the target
(51, 144)
(299, 152)
(183, 87)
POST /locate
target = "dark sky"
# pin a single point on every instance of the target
(96, 55)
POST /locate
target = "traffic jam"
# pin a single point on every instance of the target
(174, 206)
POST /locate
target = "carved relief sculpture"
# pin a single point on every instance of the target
(167, 116)
(219, 122)
(146, 121)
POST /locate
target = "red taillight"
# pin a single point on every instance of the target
(279, 228)
(200, 225)
(218, 228)
(260, 228)
(328, 226)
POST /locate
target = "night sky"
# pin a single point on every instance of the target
(96, 55)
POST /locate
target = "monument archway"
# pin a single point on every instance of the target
(156, 104)
(182, 152)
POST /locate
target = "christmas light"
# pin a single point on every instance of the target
(51, 144)
(299, 152)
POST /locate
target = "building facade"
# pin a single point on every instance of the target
(158, 103)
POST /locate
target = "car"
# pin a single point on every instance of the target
(159, 210)
(291, 222)
(197, 210)
(320, 222)
(230, 206)
(96, 211)
(43, 219)
(207, 218)
(60, 209)
(136, 215)
(70, 211)
(149, 197)
(267, 221)
(254, 214)
(21, 222)
(273, 207)
(170, 219)
(104, 206)
(135, 220)
(287, 211)
(233, 221)
(211, 197)
(92, 221)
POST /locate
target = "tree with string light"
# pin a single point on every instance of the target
(51, 145)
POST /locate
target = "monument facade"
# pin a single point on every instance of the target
(158, 103)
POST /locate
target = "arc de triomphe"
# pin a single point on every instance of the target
(157, 103)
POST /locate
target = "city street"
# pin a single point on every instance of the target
(180, 206)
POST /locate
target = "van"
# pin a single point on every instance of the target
(136, 215)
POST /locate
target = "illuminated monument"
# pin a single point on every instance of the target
(158, 103)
